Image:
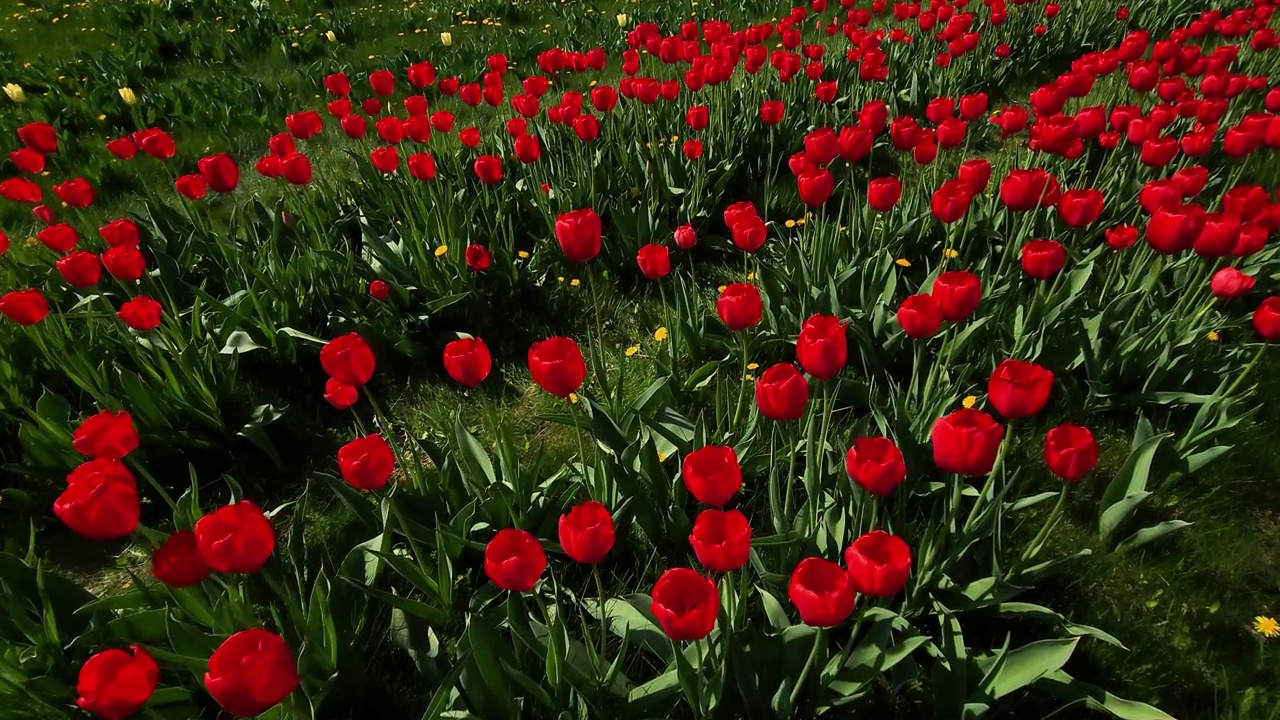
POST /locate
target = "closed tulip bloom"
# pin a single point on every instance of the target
(141, 314)
(478, 257)
(711, 474)
(1042, 259)
(115, 684)
(60, 238)
(297, 169)
(235, 538)
(578, 232)
(80, 269)
(1018, 388)
(855, 143)
(1219, 236)
(878, 564)
(338, 84)
(822, 592)
(77, 193)
(1078, 208)
(366, 462)
(354, 126)
(821, 146)
(124, 262)
(782, 392)
(379, 290)
(654, 261)
(919, 316)
(192, 187)
(685, 604)
(587, 533)
(883, 193)
(1022, 190)
(489, 169)
(976, 174)
(303, 125)
(951, 201)
(527, 149)
(27, 160)
(1121, 236)
(721, 540)
(108, 435)
(382, 82)
(123, 148)
(422, 166)
(1266, 319)
(20, 190)
(386, 159)
(966, 442)
(219, 172)
(815, 186)
(24, 307)
(100, 502)
(1070, 452)
(251, 672)
(740, 306)
(822, 347)
(39, 136)
(771, 112)
(177, 563)
(467, 360)
(876, 465)
(349, 359)
(1175, 228)
(557, 366)
(685, 237)
(957, 293)
(339, 394)
(514, 560)
(1229, 283)
(749, 234)
(697, 117)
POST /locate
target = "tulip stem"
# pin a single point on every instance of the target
(1034, 548)
(604, 616)
(819, 641)
(1262, 348)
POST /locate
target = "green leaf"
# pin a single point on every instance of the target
(1150, 534)
(474, 458)
(1023, 666)
(773, 610)
(239, 342)
(1061, 684)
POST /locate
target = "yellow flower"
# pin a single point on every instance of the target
(560, 279)
(330, 36)
(442, 250)
(575, 282)
(969, 401)
(950, 253)
(903, 262)
(1266, 626)
(127, 95)
(721, 289)
(101, 118)
(622, 19)
(752, 366)
(573, 397)
(633, 350)
(751, 276)
(523, 254)
(446, 39)
(15, 93)
(790, 223)
(675, 138)
(31, 241)
(800, 221)
(748, 377)
(1213, 336)
(660, 334)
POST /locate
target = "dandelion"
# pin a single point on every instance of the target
(631, 351)
(442, 250)
(15, 93)
(575, 282)
(790, 223)
(751, 276)
(660, 334)
(128, 96)
(969, 401)
(446, 39)
(950, 253)
(902, 262)
(752, 366)
(573, 397)
(1213, 336)
(560, 279)
(1266, 626)
(523, 254)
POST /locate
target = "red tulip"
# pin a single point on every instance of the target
(442, 121)
(957, 293)
(1175, 228)
(348, 359)
(123, 148)
(771, 112)
(379, 290)
(141, 314)
(876, 465)
(822, 347)
(578, 232)
(20, 190)
(1229, 283)
(39, 136)
(951, 201)
(100, 501)
(815, 186)
(478, 257)
(740, 306)
(60, 238)
(782, 392)
(489, 169)
(975, 173)
(1122, 236)
(385, 159)
(250, 672)
(1266, 319)
(366, 463)
(721, 540)
(107, 435)
(382, 82)
(27, 160)
(514, 560)
(177, 563)
(822, 592)
(587, 533)
(297, 169)
(1022, 190)
(219, 172)
(712, 474)
(80, 269)
(557, 366)
(338, 84)
(878, 564)
(115, 684)
(302, 125)
(1018, 388)
(124, 262)
(1070, 451)
(685, 237)
(685, 604)
(1042, 259)
(235, 538)
(155, 143)
(1078, 208)
(527, 149)
(855, 143)
(883, 193)
(966, 442)
(120, 233)
(654, 261)
(339, 394)
(25, 307)
(919, 316)
(192, 187)
(467, 360)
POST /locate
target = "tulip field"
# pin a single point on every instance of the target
(664, 359)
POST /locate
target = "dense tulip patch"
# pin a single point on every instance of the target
(889, 301)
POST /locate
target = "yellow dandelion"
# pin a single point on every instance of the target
(660, 334)
(573, 397)
(632, 350)
(969, 401)
(675, 138)
(31, 241)
(102, 117)
(790, 223)
(751, 276)
(902, 262)
(1213, 336)
(560, 279)
(748, 377)
(442, 250)
(721, 289)
(523, 254)
(950, 253)
(800, 221)
(1266, 626)
(752, 366)
(575, 282)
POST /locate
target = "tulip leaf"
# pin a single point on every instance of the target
(1019, 668)
(773, 610)
(474, 457)
(1061, 684)
(1150, 534)
(239, 342)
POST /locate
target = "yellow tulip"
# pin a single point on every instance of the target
(622, 19)
(126, 94)
(446, 39)
(331, 37)
(14, 91)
